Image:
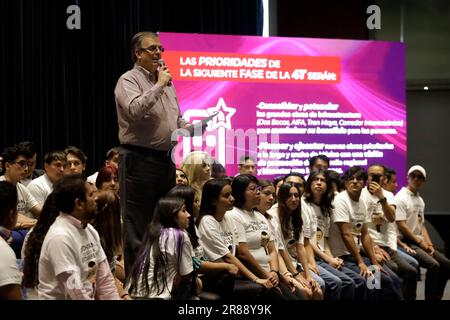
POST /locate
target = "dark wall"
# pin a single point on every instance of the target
(57, 85)
(428, 116)
(318, 19)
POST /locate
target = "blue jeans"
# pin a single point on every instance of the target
(353, 285)
(411, 260)
(333, 285)
(17, 243)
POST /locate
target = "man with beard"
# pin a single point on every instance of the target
(72, 264)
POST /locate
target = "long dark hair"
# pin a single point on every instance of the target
(155, 243)
(188, 194)
(33, 246)
(211, 191)
(108, 224)
(326, 201)
(286, 216)
(239, 185)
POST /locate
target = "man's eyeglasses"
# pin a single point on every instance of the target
(153, 48)
(22, 163)
(254, 188)
(418, 176)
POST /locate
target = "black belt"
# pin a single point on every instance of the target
(147, 151)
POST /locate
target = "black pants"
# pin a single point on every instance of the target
(144, 178)
(389, 289)
(404, 270)
(438, 271)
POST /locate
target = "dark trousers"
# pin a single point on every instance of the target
(404, 270)
(438, 271)
(245, 290)
(144, 178)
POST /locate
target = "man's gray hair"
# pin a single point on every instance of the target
(136, 41)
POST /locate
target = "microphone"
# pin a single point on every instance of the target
(162, 63)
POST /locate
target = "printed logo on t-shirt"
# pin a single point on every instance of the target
(88, 252)
(323, 224)
(21, 207)
(419, 213)
(228, 240)
(257, 226)
(357, 226)
(265, 241)
(376, 214)
(92, 272)
(319, 234)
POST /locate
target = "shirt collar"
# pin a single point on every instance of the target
(72, 220)
(411, 193)
(146, 73)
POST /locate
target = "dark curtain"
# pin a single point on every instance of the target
(57, 85)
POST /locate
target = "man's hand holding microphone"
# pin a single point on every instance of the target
(164, 76)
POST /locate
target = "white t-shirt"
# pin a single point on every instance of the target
(169, 241)
(40, 188)
(289, 242)
(25, 201)
(217, 237)
(252, 228)
(69, 248)
(383, 232)
(9, 272)
(274, 232)
(316, 225)
(199, 252)
(352, 212)
(410, 207)
(92, 178)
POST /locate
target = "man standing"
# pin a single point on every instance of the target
(411, 225)
(72, 264)
(148, 114)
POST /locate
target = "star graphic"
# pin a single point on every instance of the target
(223, 119)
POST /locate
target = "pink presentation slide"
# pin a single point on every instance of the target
(283, 100)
